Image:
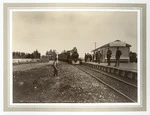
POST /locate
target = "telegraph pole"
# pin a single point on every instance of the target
(95, 45)
(94, 53)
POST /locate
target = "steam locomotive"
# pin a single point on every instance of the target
(70, 56)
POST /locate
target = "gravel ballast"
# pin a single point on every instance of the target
(38, 85)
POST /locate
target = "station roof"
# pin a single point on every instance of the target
(116, 43)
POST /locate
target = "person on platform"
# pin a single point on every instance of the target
(118, 54)
(90, 57)
(108, 56)
(99, 57)
(55, 67)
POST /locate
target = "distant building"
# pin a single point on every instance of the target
(124, 47)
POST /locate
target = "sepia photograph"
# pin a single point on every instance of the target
(76, 55)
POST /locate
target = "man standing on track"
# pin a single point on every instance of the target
(108, 56)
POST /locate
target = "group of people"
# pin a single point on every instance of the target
(98, 57)
(88, 57)
(117, 56)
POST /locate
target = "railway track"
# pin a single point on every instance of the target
(124, 88)
(121, 79)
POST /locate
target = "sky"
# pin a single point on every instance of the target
(64, 30)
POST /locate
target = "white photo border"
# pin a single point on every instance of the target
(9, 106)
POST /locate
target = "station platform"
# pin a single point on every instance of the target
(126, 66)
(124, 70)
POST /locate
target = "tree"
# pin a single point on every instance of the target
(36, 54)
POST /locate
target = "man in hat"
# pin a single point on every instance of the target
(108, 56)
(118, 54)
(55, 67)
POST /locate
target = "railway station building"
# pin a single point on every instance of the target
(124, 48)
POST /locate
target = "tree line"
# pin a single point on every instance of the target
(35, 54)
(51, 54)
